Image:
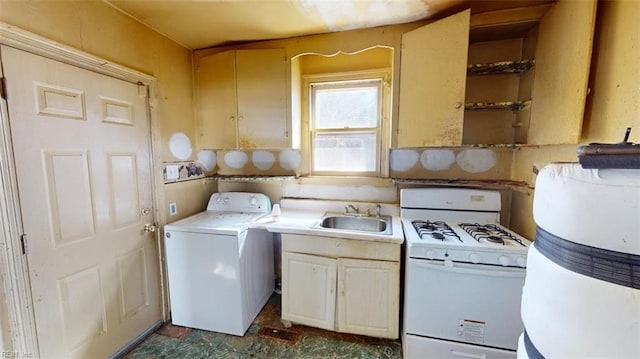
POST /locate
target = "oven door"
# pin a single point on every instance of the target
(469, 303)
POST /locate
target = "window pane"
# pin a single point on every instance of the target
(337, 152)
(354, 107)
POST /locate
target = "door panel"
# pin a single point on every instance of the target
(262, 94)
(81, 147)
(433, 73)
(563, 59)
(368, 297)
(216, 95)
(309, 290)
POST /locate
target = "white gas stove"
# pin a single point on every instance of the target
(465, 241)
(464, 275)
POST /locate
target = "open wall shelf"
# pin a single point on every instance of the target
(518, 186)
(514, 106)
(501, 67)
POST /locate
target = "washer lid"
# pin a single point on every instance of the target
(228, 223)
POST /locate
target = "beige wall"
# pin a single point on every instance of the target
(374, 58)
(94, 27)
(97, 28)
(612, 106)
(352, 41)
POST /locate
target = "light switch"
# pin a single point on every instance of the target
(173, 172)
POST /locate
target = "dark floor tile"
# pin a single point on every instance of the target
(174, 331)
(311, 343)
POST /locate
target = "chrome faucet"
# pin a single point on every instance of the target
(378, 209)
(355, 209)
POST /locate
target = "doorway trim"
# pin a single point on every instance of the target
(13, 264)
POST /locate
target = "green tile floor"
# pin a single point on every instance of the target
(300, 342)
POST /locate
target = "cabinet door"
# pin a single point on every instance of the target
(368, 297)
(309, 290)
(563, 58)
(433, 72)
(216, 98)
(262, 104)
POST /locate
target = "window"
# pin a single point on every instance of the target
(345, 126)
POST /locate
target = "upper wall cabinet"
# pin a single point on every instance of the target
(242, 99)
(432, 82)
(523, 79)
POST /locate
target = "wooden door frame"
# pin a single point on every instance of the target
(13, 266)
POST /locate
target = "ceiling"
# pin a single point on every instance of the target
(199, 24)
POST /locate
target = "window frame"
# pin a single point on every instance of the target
(382, 130)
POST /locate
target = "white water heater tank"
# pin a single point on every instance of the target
(581, 296)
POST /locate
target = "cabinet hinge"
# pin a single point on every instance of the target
(3, 87)
(23, 243)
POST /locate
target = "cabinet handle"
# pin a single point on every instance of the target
(232, 118)
(458, 104)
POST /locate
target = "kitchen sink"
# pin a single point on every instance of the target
(380, 225)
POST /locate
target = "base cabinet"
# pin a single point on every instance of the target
(309, 290)
(349, 295)
(368, 297)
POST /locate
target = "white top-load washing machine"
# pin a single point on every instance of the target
(220, 272)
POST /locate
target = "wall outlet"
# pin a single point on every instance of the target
(173, 209)
(173, 172)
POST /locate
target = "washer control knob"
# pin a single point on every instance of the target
(226, 200)
(521, 262)
(430, 254)
(474, 258)
(253, 201)
(504, 260)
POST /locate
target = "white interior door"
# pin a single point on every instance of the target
(81, 145)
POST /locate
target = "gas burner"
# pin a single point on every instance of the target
(495, 239)
(491, 233)
(434, 229)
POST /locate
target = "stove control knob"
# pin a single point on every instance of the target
(504, 260)
(474, 258)
(430, 254)
(521, 261)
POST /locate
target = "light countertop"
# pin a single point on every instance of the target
(303, 218)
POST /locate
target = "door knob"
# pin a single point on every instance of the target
(149, 227)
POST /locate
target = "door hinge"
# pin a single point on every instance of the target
(23, 243)
(3, 87)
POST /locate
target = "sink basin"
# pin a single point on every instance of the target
(380, 225)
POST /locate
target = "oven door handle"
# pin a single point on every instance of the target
(494, 271)
(468, 355)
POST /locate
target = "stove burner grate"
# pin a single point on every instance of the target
(490, 232)
(434, 229)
